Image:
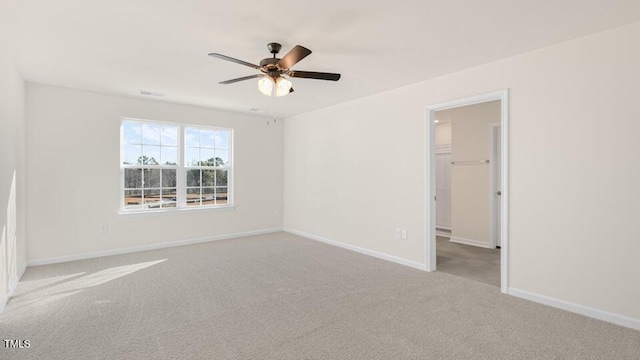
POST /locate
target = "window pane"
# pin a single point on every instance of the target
(131, 133)
(151, 178)
(169, 198)
(169, 178)
(192, 137)
(207, 157)
(150, 134)
(193, 197)
(221, 196)
(132, 178)
(169, 155)
(222, 139)
(207, 138)
(169, 194)
(133, 199)
(191, 156)
(150, 155)
(152, 198)
(151, 194)
(169, 135)
(223, 155)
(208, 178)
(221, 177)
(131, 154)
(208, 196)
(193, 177)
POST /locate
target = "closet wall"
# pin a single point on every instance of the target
(471, 183)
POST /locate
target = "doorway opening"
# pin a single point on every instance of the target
(467, 187)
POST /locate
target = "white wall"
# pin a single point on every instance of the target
(12, 177)
(355, 171)
(74, 182)
(471, 184)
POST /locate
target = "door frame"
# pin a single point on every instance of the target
(430, 178)
(492, 186)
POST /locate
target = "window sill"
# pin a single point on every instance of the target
(176, 211)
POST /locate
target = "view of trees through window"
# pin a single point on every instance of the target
(153, 175)
(206, 161)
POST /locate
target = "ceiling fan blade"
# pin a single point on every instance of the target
(314, 75)
(293, 56)
(228, 58)
(241, 79)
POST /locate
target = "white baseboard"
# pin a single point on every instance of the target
(471, 242)
(577, 308)
(443, 234)
(97, 254)
(379, 255)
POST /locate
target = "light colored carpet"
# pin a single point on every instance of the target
(471, 262)
(280, 296)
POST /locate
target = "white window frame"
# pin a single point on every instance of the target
(181, 169)
(184, 168)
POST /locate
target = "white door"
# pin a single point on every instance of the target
(497, 183)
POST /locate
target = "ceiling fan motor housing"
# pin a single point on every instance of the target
(274, 48)
(270, 65)
(269, 62)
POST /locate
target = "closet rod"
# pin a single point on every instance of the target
(473, 162)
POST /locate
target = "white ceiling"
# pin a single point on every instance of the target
(124, 46)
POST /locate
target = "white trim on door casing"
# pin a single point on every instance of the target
(429, 176)
(492, 187)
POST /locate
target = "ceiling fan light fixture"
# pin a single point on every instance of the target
(273, 69)
(265, 85)
(283, 86)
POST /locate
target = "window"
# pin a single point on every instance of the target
(207, 166)
(173, 166)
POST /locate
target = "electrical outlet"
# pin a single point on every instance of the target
(398, 233)
(404, 234)
(103, 228)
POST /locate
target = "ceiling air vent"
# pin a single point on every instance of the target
(151, 93)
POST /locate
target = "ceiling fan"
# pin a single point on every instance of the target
(273, 70)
